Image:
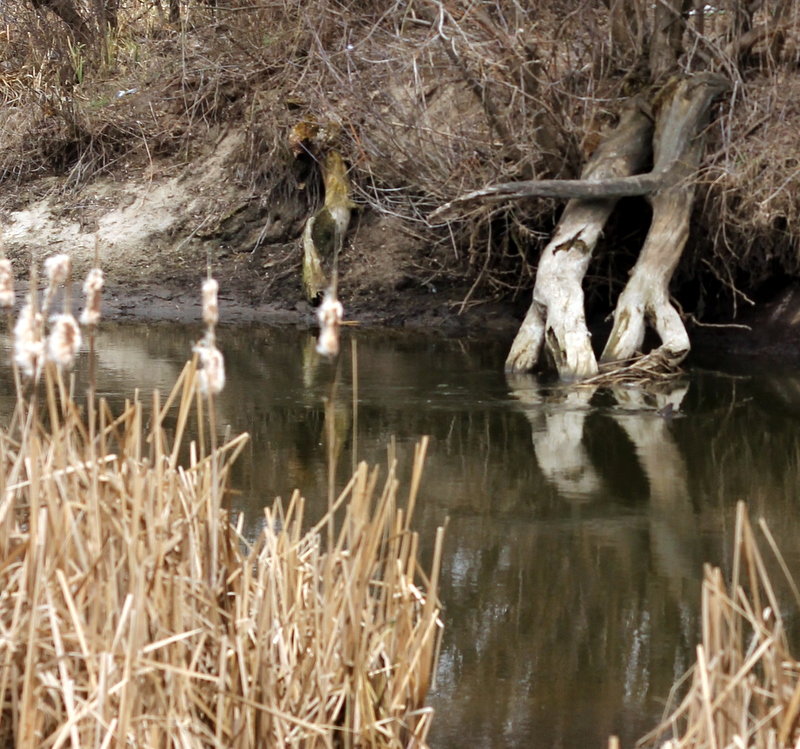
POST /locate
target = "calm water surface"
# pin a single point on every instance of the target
(579, 520)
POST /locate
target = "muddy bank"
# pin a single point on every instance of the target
(164, 302)
(155, 231)
(767, 332)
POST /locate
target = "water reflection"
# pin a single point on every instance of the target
(557, 417)
(579, 520)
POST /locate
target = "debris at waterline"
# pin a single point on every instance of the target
(116, 630)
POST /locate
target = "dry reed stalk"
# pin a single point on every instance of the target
(744, 689)
(113, 631)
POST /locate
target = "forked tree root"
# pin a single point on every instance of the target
(678, 143)
(556, 319)
(555, 322)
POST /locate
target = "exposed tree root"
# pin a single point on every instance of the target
(325, 230)
(678, 145)
(556, 317)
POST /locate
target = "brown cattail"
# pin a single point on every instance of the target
(210, 302)
(330, 314)
(28, 343)
(64, 340)
(92, 289)
(6, 283)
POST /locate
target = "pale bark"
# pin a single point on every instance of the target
(678, 146)
(580, 189)
(556, 319)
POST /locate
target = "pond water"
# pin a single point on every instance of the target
(579, 521)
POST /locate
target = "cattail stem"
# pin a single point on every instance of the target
(354, 377)
(215, 572)
(19, 406)
(92, 366)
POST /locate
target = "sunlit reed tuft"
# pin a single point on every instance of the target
(57, 270)
(29, 346)
(210, 303)
(211, 375)
(64, 340)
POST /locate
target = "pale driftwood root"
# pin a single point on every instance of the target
(564, 189)
(559, 289)
(314, 279)
(528, 342)
(556, 321)
(645, 298)
(678, 146)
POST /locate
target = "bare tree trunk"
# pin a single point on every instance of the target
(666, 39)
(556, 318)
(68, 13)
(678, 147)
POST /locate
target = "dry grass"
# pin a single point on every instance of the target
(744, 690)
(646, 369)
(133, 613)
(426, 100)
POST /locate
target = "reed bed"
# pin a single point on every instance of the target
(134, 613)
(744, 689)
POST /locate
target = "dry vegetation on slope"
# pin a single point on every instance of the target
(425, 100)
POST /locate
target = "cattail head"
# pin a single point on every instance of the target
(64, 340)
(210, 302)
(92, 289)
(329, 314)
(28, 343)
(211, 376)
(6, 283)
(57, 268)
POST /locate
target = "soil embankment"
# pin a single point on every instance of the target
(155, 232)
(175, 140)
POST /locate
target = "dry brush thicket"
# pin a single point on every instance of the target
(425, 99)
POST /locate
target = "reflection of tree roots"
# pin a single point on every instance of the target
(645, 369)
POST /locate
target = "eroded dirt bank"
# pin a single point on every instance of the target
(172, 142)
(155, 230)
